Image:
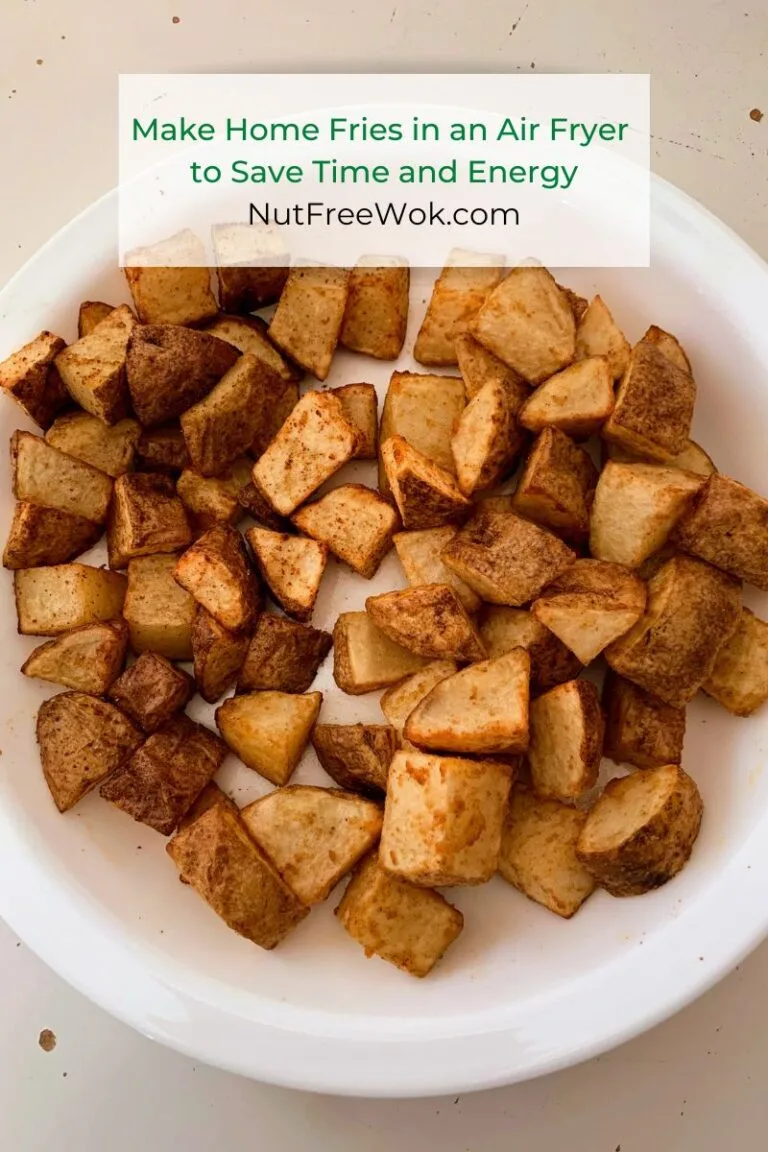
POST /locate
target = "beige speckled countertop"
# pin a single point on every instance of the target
(681, 1086)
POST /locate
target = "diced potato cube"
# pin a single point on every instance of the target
(590, 605)
(727, 526)
(356, 756)
(365, 659)
(354, 522)
(89, 314)
(151, 690)
(251, 265)
(426, 494)
(269, 730)
(739, 679)
(597, 334)
(218, 656)
(162, 450)
(577, 400)
(45, 476)
(283, 655)
(309, 315)
(291, 567)
(640, 729)
(459, 291)
(504, 629)
(420, 555)
(224, 424)
(488, 439)
(424, 410)
(87, 659)
(146, 517)
(212, 500)
(30, 378)
(216, 571)
(110, 449)
(170, 281)
(670, 346)
(376, 315)
(93, 369)
(158, 611)
(479, 367)
(250, 334)
(57, 599)
(41, 536)
(399, 701)
(654, 406)
(566, 743)
(170, 368)
(429, 620)
(361, 408)
(557, 485)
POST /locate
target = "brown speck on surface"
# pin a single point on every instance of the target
(64, 1075)
(176, 20)
(47, 1040)
(756, 115)
(38, 61)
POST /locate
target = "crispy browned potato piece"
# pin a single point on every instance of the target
(212, 500)
(410, 927)
(443, 817)
(426, 495)
(151, 690)
(538, 852)
(727, 525)
(251, 265)
(577, 400)
(557, 484)
(692, 610)
(211, 797)
(217, 857)
(218, 655)
(641, 831)
(401, 699)
(146, 517)
(420, 554)
(30, 378)
(312, 444)
(42, 536)
(670, 346)
(693, 458)
(458, 293)
(364, 658)
(566, 743)
(640, 729)
(53, 600)
(282, 655)
(429, 620)
(591, 604)
(356, 756)
(654, 406)
(93, 368)
(424, 410)
(636, 507)
(111, 449)
(260, 508)
(82, 739)
(481, 710)
(216, 571)
(739, 679)
(361, 407)
(224, 424)
(87, 659)
(170, 368)
(250, 334)
(269, 730)
(598, 334)
(89, 314)
(502, 629)
(479, 367)
(527, 322)
(162, 450)
(169, 294)
(161, 781)
(506, 559)
(45, 476)
(291, 567)
(488, 438)
(354, 522)
(309, 315)
(314, 836)
(158, 611)
(376, 315)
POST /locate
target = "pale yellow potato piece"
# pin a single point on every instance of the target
(503, 629)
(160, 614)
(654, 406)
(443, 817)
(177, 290)
(361, 408)
(566, 743)
(598, 334)
(527, 322)
(110, 449)
(269, 730)
(354, 522)
(45, 476)
(364, 658)
(429, 620)
(636, 506)
(87, 659)
(312, 444)
(420, 555)
(93, 368)
(591, 605)
(538, 852)
(577, 400)
(89, 314)
(488, 438)
(291, 567)
(426, 495)
(409, 927)
(425, 411)
(479, 367)
(376, 315)
(313, 836)
(670, 346)
(66, 596)
(641, 831)
(739, 679)
(399, 701)
(482, 709)
(309, 315)
(459, 291)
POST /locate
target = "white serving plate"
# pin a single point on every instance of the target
(522, 992)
